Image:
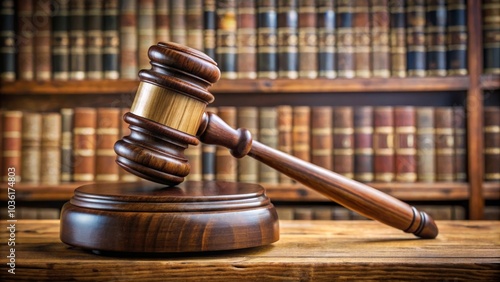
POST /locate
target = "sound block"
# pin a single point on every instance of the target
(146, 217)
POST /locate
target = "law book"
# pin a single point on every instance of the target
(302, 213)
(128, 40)
(194, 155)
(491, 32)
(162, 22)
(107, 133)
(362, 39)
(425, 138)
(327, 59)
(436, 22)
(111, 40)
(125, 131)
(60, 40)
(456, 56)
(285, 125)
(415, 38)
(363, 143)
(42, 46)
(94, 40)
(226, 38)
(321, 136)
(12, 125)
(491, 149)
(383, 143)
(178, 21)
(301, 133)
(308, 39)
(380, 49)
(225, 164)
(25, 34)
(445, 157)
(345, 39)
(208, 156)
(145, 31)
(397, 13)
(50, 167)
(84, 144)
(343, 141)
(194, 24)
(460, 142)
(7, 41)
(209, 27)
(248, 168)
(268, 135)
(77, 39)
(31, 138)
(288, 43)
(246, 39)
(405, 149)
(267, 37)
(67, 115)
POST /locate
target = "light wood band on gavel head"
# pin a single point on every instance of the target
(169, 105)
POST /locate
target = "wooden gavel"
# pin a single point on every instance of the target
(169, 111)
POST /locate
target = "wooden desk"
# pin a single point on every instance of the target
(307, 251)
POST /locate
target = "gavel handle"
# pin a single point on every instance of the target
(351, 194)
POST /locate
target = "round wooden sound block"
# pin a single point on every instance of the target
(152, 218)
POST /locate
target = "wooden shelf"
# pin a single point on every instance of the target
(490, 81)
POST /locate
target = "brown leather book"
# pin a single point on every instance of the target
(111, 40)
(268, 135)
(227, 26)
(42, 44)
(267, 32)
(491, 143)
(31, 147)
(178, 22)
(398, 38)
(246, 39)
(50, 168)
(84, 144)
(301, 121)
(445, 156)
(383, 144)
(345, 39)
(435, 29)
(12, 125)
(125, 131)
(308, 39)
(128, 39)
(321, 136)
(460, 149)
(194, 24)
(343, 141)
(380, 50)
(285, 125)
(405, 145)
(162, 22)
(363, 143)
(327, 59)
(208, 157)
(145, 30)
(426, 169)
(107, 132)
(225, 164)
(362, 39)
(193, 154)
(248, 168)
(67, 144)
(288, 43)
(25, 39)
(94, 40)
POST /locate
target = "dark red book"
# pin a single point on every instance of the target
(162, 22)
(107, 133)
(380, 50)
(12, 124)
(405, 145)
(321, 136)
(445, 156)
(194, 24)
(301, 121)
(383, 144)
(247, 39)
(343, 141)
(84, 144)
(308, 39)
(362, 39)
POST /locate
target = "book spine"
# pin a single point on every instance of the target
(444, 144)
(67, 115)
(308, 39)
(226, 38)
(248, 168)
(362, 39)
(60, 40)
(456, 57)
(77, 39)
(128, 39)
(398, 38)
(42, 67)
(301, 120)
(267, 34)
(288, 49)
(50, 167)
(491, 143)
(145, 31)
(491, 32)
(25, 33)
(94, 40)
(7, 41)
(162, 24)
(12, 144)
(383, 144)
(111, 40)
(193, 155)
(285, 126)
(345, 39)
(178, 21)
(415, 38)
(125, 131)
(268, 135)
(246, 39)
(426, 169)
(327, 60)
(31, 137)
(405, 144)
(225, 163)
(343, 141)
(208, 157)
(363, 143)
(321, 136)
(460, 149)
(436, 22)
(107, 132)
(209, 27)
(84, 144)
(194, 24)
(380, 50)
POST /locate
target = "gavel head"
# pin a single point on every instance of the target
(168, 108)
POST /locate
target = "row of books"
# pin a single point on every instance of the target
(93, 39)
